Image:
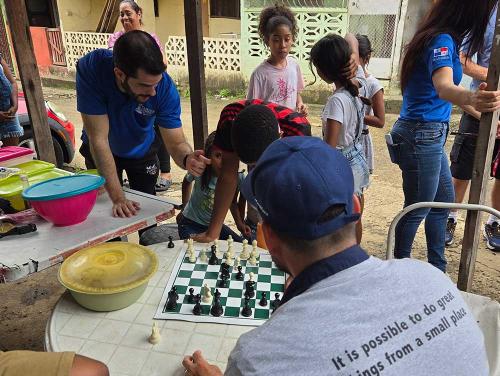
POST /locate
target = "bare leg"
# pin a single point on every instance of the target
(460, 187)
(359, 224)
(83, 366)
(495, 195)
(11, 141)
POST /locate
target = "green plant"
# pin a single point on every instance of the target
(225, 93)
(187, 93)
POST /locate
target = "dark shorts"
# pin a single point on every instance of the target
(464, 147)
(142, 173)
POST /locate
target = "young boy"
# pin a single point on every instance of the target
(245, 130)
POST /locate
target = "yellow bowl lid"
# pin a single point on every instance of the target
(108, 268)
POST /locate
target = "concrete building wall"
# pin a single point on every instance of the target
(218, 26)
(80, 15)
(170, 20)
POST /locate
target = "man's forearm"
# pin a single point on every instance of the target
(105, 163)
(224, 193)
(179, 152)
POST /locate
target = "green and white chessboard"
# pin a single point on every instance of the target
(185, 274)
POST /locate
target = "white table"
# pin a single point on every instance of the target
(120, 338)
(21, 255)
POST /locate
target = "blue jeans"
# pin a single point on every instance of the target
(418, 149)
(357, 160)
(188, 227)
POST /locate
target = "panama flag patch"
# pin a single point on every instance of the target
(441, 52)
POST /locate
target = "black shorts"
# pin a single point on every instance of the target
(464, 147)
(142, 173)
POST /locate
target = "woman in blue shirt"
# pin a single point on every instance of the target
(430, 78)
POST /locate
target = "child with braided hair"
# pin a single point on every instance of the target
(344, 111)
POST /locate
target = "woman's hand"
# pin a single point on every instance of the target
(5, 116)
(485, 101)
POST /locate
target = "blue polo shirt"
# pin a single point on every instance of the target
(131, 124)
(421, 101)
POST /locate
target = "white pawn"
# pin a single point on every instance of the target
(203, 256)
(237, 262)
(251, 276)
(192, 257)
(254, 246)
(155, 336)
(252, 260)
(244, 253)
(207, 294)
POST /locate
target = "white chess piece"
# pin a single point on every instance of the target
(252, 260)
(192, 257)
(155, 336)
(236, 262)
(244, 253)
(203, 256)
(207, 294)
(251, 276)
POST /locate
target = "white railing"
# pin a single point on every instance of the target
(222, 54)
(78, 44)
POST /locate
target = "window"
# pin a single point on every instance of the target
(225, 8)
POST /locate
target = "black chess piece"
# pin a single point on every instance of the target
(197, 306)
(263, 300)
(250, 288)
(172, 298)
(225, 269)
(213, 260)
(276, 302)
(223, 280)
(240, 276)
(246, 311)
(216, 309)
(170, 242)
(191, 295)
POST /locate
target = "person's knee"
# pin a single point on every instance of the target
(83, 366)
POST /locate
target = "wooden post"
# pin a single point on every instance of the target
(480, 172)
(30, 78)
(194, 45)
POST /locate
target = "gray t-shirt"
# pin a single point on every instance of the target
(342, 107)
(397, 317)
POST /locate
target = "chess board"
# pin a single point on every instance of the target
(185, 275)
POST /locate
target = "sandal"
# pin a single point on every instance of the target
(162, 184)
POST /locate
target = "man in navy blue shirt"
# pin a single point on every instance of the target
(121, 94)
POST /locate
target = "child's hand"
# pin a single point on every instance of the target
(12, 111)
(245, 230)
(302, 109)
(350, 69)
(5, 116)
(204, 237)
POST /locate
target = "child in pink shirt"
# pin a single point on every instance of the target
(278, 79)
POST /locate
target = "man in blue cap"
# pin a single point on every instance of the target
(344, 312)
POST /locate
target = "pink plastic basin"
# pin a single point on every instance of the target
(67, 211)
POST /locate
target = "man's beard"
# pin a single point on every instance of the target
(130, 92)
(278, 265)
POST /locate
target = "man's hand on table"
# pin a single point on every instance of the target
(196, 162)
(204, 237)
(196, 365)
(124, 208)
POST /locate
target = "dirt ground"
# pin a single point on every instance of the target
(26, 304)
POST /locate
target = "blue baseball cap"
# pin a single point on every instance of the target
(295, 181)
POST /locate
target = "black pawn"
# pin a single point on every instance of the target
(170, 242)
(246, 311)
(276, 302)
(197, 306)
(263, 300)
(191, 296)
(240, 275)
